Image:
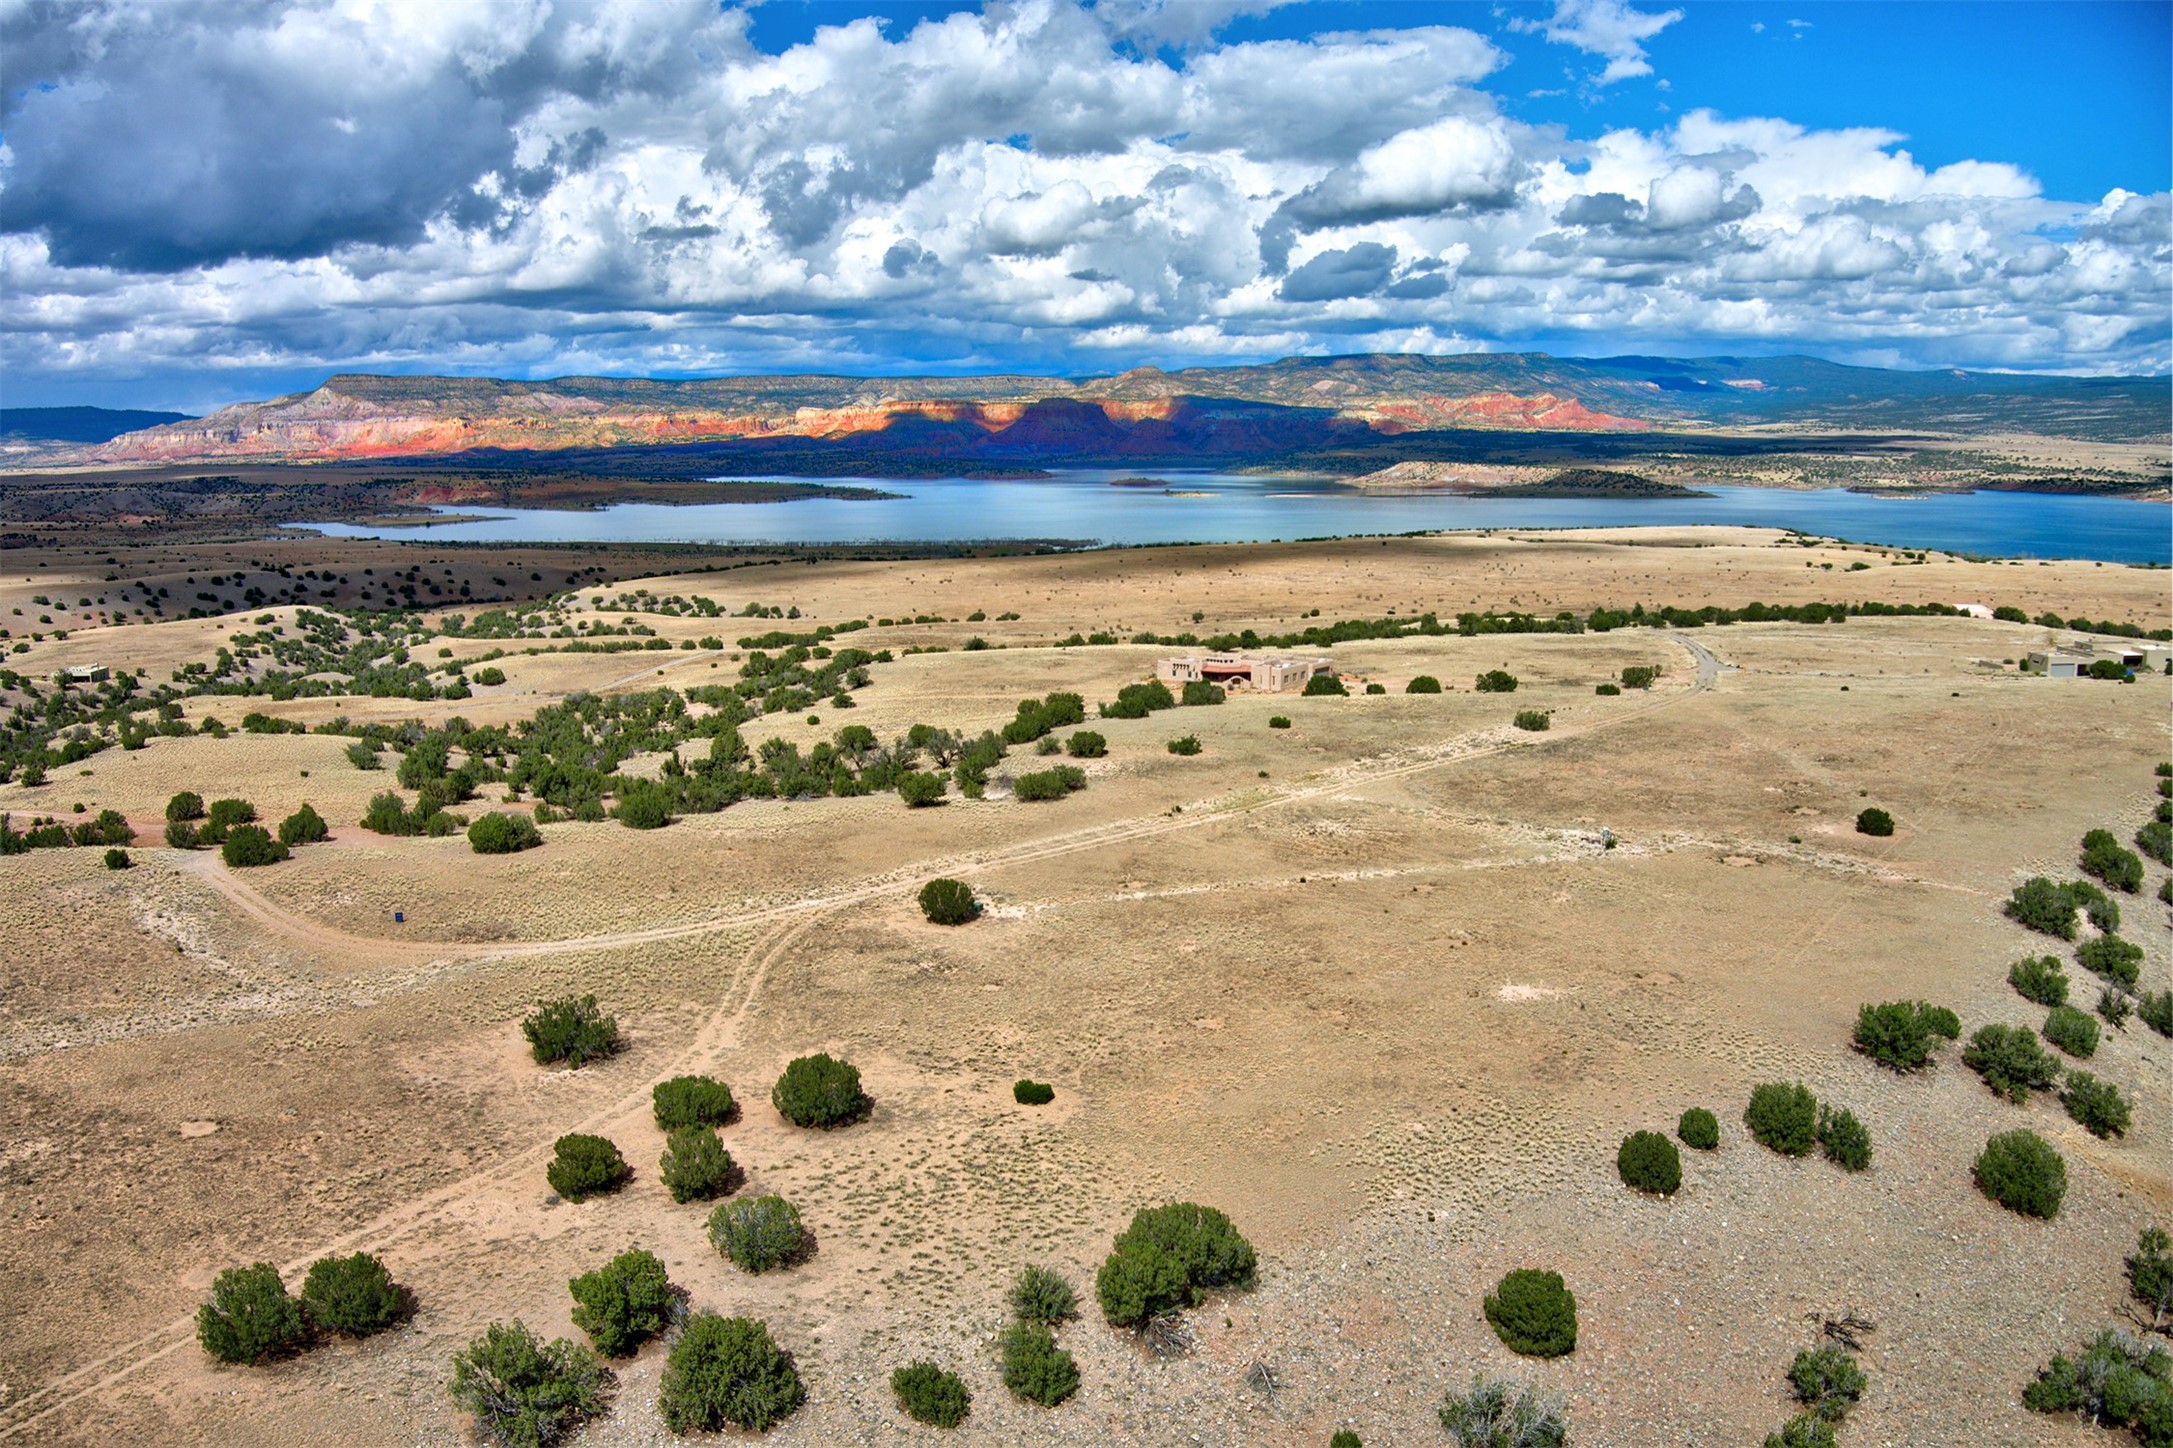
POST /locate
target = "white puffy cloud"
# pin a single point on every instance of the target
(252, 189)
(1610, 28)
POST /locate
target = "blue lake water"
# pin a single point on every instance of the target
(1081, 507)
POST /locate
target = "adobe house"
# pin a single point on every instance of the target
(1241, 671)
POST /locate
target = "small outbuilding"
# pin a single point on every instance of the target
(83, 674)
(1241, 671)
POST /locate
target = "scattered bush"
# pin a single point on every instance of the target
(727, 1372)
(570, 1029)
(1199, 691)
(1034, 1367)
(247, 846)
(1533, 1313)
(1639, 676)
(524, 1392)
(181, 835)
(304, 827)
(2095, 903)
(584, 1166)
(758, 1233)
(1423, 684)
(1086, 744)
(2044, 907)
(1032, 1093)
(2104, 858)
(224, 815)
(1496, 681)
(1048, 784)
(185, 806)
(2010, 1061)
(2150, 1273)
(2097, 1106)
(1536, 720)
(930, 1395)
(1900, 1035)
(696, 1167)
(1185, 744)
(1783, 1118)
(503, 834)
(692, 1101)
(1699, 1128)
(1278, 721)
(1843, 1138)
(352, 1295)
(250, 1317)
(1498, 1414)
(2117, 960)
(1171, 1257)
(2023, 1173)
(117, 859)
(1827, 1382)
(2120, 1381)
(820, 1091)
(2039, 979)
(2156, 1009)
(1325, 685)
(921, 789)
(1607, 691)
(1344, 1438)
(1137, 701)
(1042, 1295)
(1805, 1430)
(2155, 839)
(624, 1303)
(1648, 1162)
(948, 902)
(1940, 1021)
(643, 806)
(2072, 1031)
(2115, 1006)
(1874, 822)
(490, 674)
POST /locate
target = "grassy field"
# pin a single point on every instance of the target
(1377, 985)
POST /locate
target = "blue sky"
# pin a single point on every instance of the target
(217, 201)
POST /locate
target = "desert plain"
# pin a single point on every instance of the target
(1387, 986)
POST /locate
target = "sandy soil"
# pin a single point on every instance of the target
(1371, 984)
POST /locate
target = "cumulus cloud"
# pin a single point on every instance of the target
(259, 189)
(1613, 29)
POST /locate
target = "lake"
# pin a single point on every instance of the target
(1080, 507)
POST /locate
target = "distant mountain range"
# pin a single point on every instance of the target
(77, 424)
(1354, 409)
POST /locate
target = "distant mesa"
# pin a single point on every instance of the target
(1597, 483)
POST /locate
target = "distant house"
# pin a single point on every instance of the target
(1241, 671)
(2073, 661)
(83, 674)
(2056, 663)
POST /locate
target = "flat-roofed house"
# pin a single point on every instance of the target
(1241, 671)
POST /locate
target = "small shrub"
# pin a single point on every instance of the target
(1170, 1258)
(1498, 1414)
(117, 859)
(624, 1303)
(2150, 1273)
(584, 1166)
(1940, 1021)
(570, 1029)
(181, 835)
(1046, 785)
(524, 1392)
(1496, 681)
(930, 1395)
(2115, 1006)
(2072, 1031)
(352, 1295)
(503, 834)
(1034, 1367)
(2097, 1106)
(2095, 903)
(2116, 960)
(1199, 691)
(820, 1091)
(643, 806)
(2023, 1173)
(1648, 1162)
(1827, 1382)
(304, 827)
(185, 806)
(2156, 1010)
(1783, 1118)
(1805, 1430)
(1086, 744)
(758, 1233)
(223, 815)
(250, 1317)
(1042, 1295)
(1607, 691)
(948, 902)
(1533, 1313)
(1278, 721)
(2010, 1061)
(490, 674)
(1325, 686)
(1423, 684)
(247, 846)
(1536, 720)
(1699, 1128)
(1032, 1093)
(727, 1372)
(1875, 822)
(2104, 858)
(2155, 839)
(1344, 1438)
(922, 789)
(1843, 1138)
(1639, 676)
(1185, 744)
(692, 1101)
(1376, 688)
(696, 1167)
(2039, 979)
(2044, 907)
(2119, 1381)
(1899, 1035)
